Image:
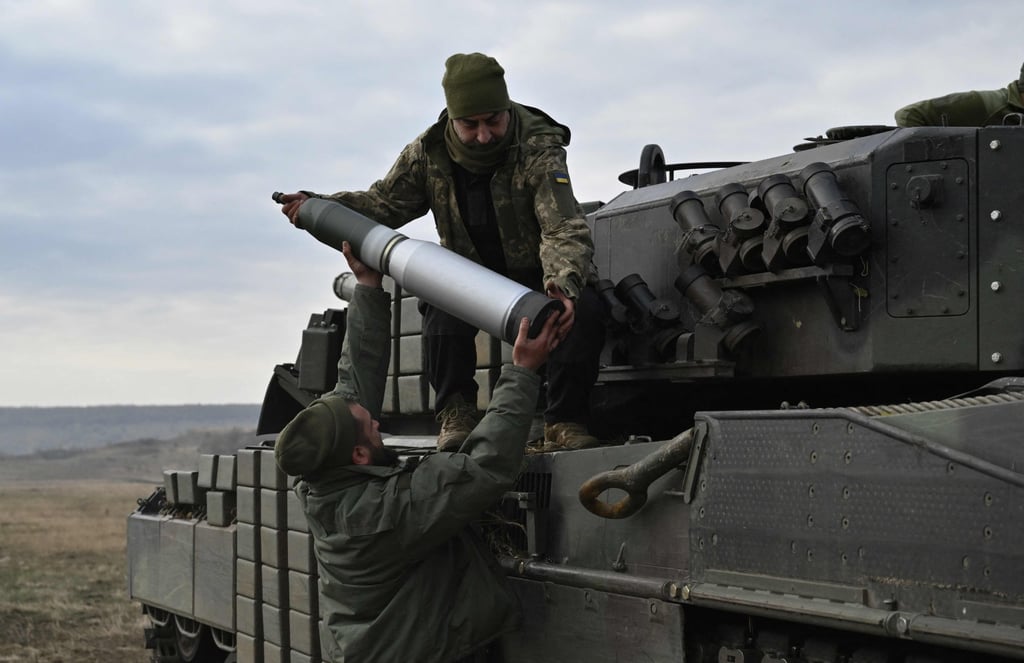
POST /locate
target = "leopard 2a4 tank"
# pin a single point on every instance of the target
(812, 407)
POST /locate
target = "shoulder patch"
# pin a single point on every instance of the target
(561, 190)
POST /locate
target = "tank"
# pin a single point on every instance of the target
(812, 403)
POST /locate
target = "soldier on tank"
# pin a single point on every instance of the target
(493, 174)
(402, 575)
(977, 108)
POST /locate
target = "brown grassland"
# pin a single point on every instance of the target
(63, 569)
(63, 595)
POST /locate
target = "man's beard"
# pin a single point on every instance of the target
(383, 456)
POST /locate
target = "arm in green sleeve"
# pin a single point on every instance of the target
(449, 490)
(960, 109)
(366, 349)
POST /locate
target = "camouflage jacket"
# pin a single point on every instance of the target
(540, 223)
(963, 109)
(403, 575)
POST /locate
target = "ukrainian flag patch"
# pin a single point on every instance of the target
(561, 178)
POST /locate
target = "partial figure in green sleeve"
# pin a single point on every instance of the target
(978, 108)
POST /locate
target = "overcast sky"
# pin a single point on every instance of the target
(141, 258)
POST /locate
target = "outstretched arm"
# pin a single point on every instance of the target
(366, 350)
(475, 478)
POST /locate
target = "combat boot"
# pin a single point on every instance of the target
(457, 419)
(567, 435)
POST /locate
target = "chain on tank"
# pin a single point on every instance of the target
(932, 406)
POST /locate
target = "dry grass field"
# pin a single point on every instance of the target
(63, 595)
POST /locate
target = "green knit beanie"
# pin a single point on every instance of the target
(474, 84)
(318, 438)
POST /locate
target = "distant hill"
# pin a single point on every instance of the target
(28, 430)
(136, 461)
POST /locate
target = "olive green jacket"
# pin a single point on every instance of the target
(963, 109)
(403, 576)
(541, 224)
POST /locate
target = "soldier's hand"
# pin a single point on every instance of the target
(364, 275)
(531, 353)
(568, 316)
(290, 204)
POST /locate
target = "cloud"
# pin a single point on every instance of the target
(142, 259)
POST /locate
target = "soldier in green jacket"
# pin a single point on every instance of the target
(403, 576)
(977, 108)
(493, 174)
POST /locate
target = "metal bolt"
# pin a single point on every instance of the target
(902, 624)
(959, 180)
(960, 217)
(997, 357)
(686, 592)
(995, 215)
(996, 286)
(654, 608)
(673, 590)
(995, 145)
(910, 168)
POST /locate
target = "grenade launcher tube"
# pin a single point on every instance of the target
(461, 287)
